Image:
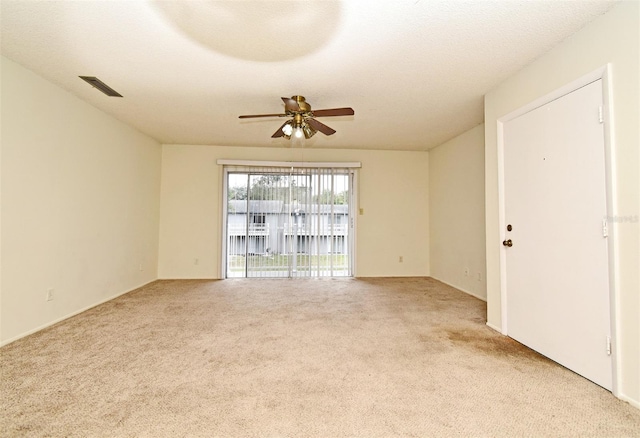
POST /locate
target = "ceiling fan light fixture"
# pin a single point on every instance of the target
(298, 137)
(287, 129)
(308, 130)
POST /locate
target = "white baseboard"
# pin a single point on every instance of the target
(473, 294)
(77, 312)
(632, 402)
(493, 327)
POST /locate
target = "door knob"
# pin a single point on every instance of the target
(508, 243)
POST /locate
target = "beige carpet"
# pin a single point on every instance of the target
(298, 358)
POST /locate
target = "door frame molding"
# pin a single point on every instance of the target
(603, 73)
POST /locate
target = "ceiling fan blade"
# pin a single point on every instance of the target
(290, 104)
(279, 132)
(320, 126)
(333, 112)
(261, 115)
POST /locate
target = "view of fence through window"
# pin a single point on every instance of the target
(288, 223)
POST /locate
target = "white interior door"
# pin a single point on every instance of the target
(555, 201)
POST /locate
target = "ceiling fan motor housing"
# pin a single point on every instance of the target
(302, 103)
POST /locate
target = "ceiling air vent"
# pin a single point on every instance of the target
(97, 83)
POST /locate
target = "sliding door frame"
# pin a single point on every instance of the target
(235, 166)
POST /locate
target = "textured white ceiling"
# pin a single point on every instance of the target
(415, 72)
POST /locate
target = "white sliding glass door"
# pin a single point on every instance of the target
(288, 222)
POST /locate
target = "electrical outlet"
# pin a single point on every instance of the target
(401, 259)
(466, 272)
(361, 211)
(140, 267)
(50, 295)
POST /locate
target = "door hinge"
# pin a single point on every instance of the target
(608, 345)
(601, 114)
(605, 228)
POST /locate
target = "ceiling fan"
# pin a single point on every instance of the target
(303, 123)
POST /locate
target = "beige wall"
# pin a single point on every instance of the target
(1, 59)
(613, 38)
(393, 191)
(456, 212)
(80, 204)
